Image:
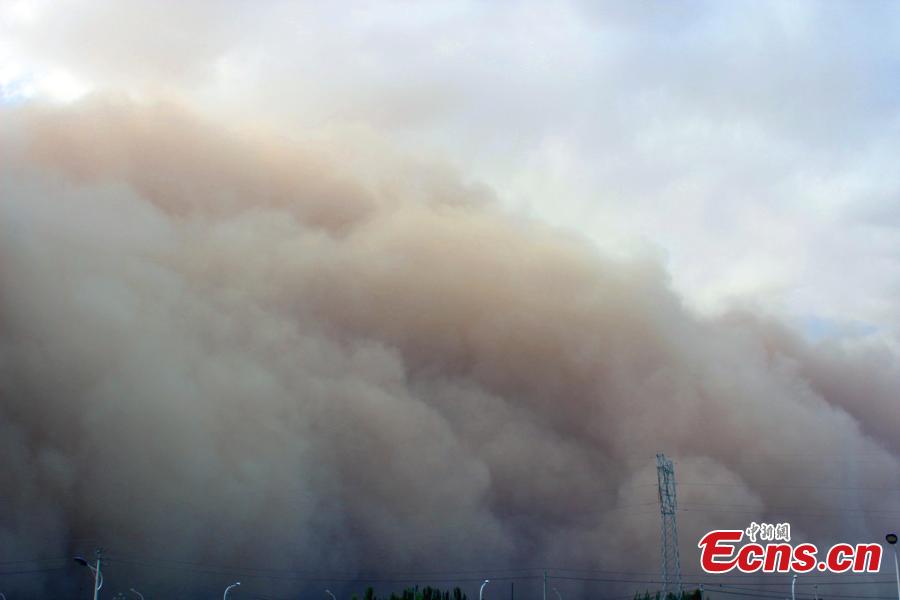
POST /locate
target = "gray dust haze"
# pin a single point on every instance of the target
(221, 348)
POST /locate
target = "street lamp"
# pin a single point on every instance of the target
(556, 591)
(793, 583)
(98, 574)
(481, 589)
(137, 593)
(330, 594)
(228, 589)
(891, 539)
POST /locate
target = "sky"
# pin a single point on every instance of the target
(359, 289)
(748, 145)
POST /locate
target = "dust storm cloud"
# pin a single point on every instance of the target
(224, 348)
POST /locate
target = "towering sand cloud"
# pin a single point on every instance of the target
(224, 349)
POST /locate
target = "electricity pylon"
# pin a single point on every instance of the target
(671, 563)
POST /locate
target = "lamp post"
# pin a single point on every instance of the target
(228, 589)
(481, 589)
(98, 574)
(891, 539)
(137, 593)
(793, 583)
(556, 591)
(330, 594)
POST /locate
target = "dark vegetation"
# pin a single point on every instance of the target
(692, 595)
(426, 593)
(430, 593)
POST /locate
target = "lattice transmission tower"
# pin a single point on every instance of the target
(671, 563)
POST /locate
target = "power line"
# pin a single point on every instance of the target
(295, 576)
(798, 513)
(242, 568)
(790, 486)
(796, 508)
(30, 571)
(32, 560)
(830, 595)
